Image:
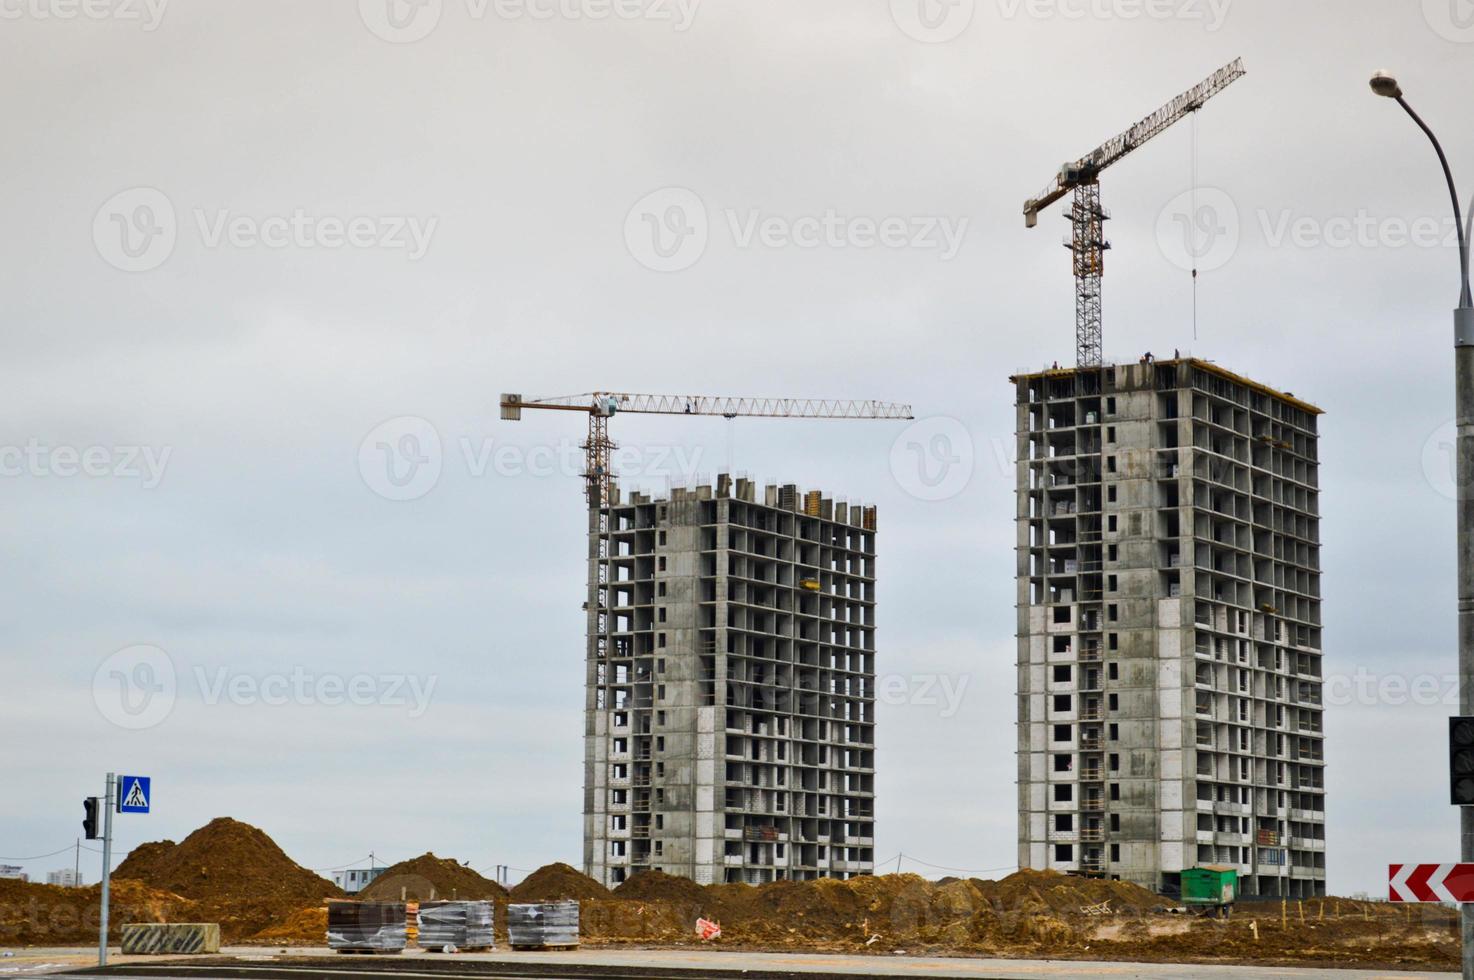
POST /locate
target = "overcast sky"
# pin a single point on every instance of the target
(252, 247)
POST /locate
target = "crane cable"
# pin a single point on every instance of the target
(1193, 167)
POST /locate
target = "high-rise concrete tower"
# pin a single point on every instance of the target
(730, 715)
(1170, 709)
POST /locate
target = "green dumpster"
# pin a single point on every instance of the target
(1211, 885)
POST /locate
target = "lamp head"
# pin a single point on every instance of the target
(1384, 84)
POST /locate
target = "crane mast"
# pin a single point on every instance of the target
(1081, 178)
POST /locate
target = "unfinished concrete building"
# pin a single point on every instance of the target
(1169, 627)
(731, 686)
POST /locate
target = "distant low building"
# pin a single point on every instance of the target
(356, 880)
(13, 872)
(66, 878)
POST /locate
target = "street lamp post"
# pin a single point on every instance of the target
(1386, 85)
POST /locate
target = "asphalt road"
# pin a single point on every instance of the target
(246, 963)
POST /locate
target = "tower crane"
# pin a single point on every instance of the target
(1087, 218)
(601, 406)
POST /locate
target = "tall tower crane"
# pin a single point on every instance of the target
(601, 406)
(1087, 218)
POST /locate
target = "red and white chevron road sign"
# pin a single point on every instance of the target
(1430, 883)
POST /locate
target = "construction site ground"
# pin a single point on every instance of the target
(250, 963)
(233, 874)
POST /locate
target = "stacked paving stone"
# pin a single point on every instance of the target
(464, 925)
(372, 927)
(551, 924)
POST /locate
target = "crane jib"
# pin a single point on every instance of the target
(600, 406)
(1119, 146)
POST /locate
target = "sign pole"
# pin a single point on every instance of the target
(107, 866)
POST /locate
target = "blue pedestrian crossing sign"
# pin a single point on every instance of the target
(134, 793)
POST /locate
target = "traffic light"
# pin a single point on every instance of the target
(89, 822)
(1461, 760)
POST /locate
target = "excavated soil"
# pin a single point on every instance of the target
(236, 874)
(225, 859)
(231, 873)
(659, 886)
(1029, 914)
(47, 915)
(556, 883)
(426, 878)
(304, 927)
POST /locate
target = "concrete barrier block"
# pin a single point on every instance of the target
(171, 937)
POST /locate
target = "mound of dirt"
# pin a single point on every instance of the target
(226, 860)
(611, 921)
(235, 874)
(1049, 891)
(426, 878)
(1026, 910)
(831, 914)
(308, 926)
(47, 915)
(659, 886)
(556, 883)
